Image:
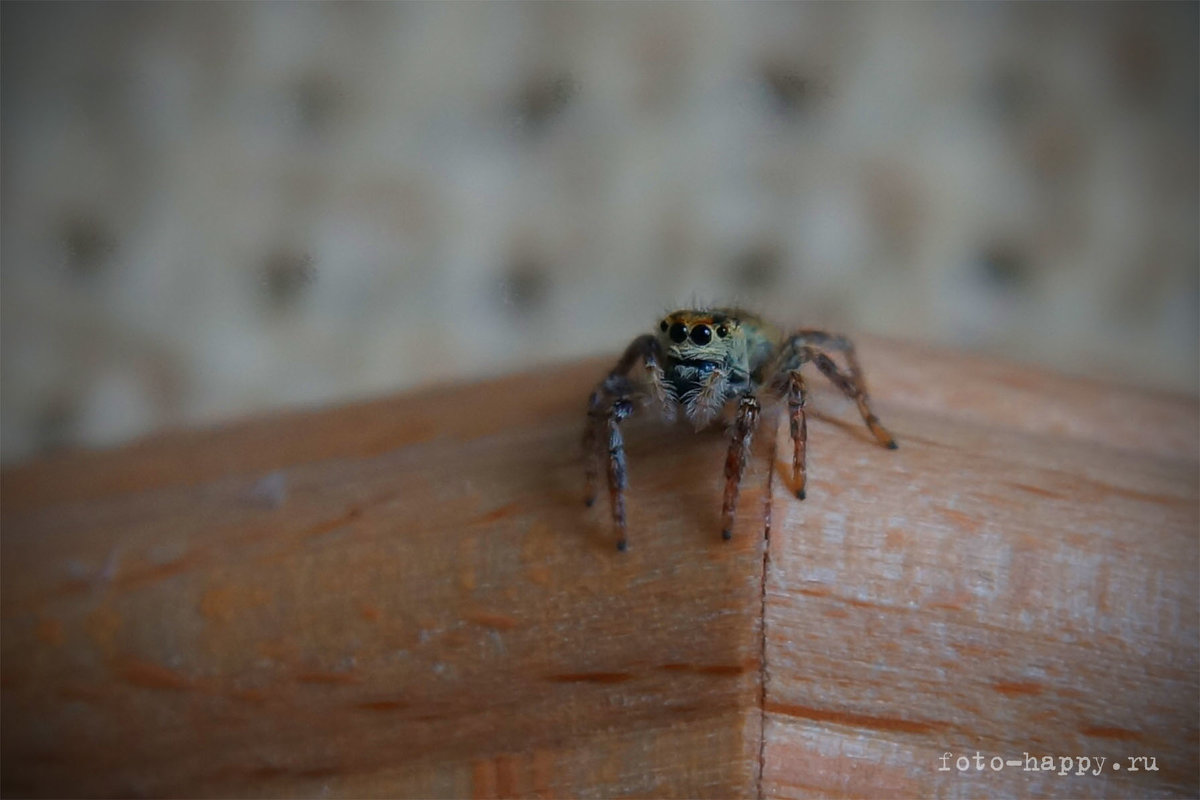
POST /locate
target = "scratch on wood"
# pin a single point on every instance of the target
(149, 675)
(1040, 492)
(944, 605)
(1014, 688)
(503, 511)
(591, 677)
(964, 521)
(854, 601)
(726, 669)
(710, 669)
(1134, 494)
(1110, 732)
(855, 720)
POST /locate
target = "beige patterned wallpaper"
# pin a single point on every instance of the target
(213, 210)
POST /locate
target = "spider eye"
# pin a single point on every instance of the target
(678, 332)
(722, 332)
(701, 334)
(662, 326)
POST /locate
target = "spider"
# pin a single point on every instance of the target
(702, 360)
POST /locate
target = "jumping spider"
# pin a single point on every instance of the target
(701, 360)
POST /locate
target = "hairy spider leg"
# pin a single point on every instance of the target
(789, 382)
(854, 390)
(735, 460)
(648, 350)
(610, 403)
(617, 475)
(850, 382)
(605, 420)
(797, 396)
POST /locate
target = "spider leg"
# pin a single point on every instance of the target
(852, 386)
(788, 382)
(616, 468)
(797, 395)
(735, 461)
(610, 391)
(810, 345)
(648, 351)
(814, 340)
(611, 402)
(604, 423)
(704, 403)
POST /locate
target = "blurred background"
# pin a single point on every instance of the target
(214, 210)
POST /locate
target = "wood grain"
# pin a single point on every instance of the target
(429, 611)
(1019, 578)
(407, 598)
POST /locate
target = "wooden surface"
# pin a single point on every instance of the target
(407, 598)
(1019, 578)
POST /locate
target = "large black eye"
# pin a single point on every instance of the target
(678, 332)
(701, 334)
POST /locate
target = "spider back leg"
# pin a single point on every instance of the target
(811, 345)
(852, 386)
(797, 396)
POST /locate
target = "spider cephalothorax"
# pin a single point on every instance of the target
(709, 357)
(701, 361)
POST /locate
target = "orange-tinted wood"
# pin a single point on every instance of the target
(408, 598)
(1020, 577)
(403, 598)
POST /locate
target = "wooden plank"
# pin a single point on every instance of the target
(402, 598)
(407, 598)
(1019, 578)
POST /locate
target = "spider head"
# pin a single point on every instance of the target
(698, 335)
(705, 354)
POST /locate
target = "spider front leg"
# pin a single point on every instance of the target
(604, 426)
(611, 402)
(735, 461)
(617, 386)
(648, 351)
(617, 480)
